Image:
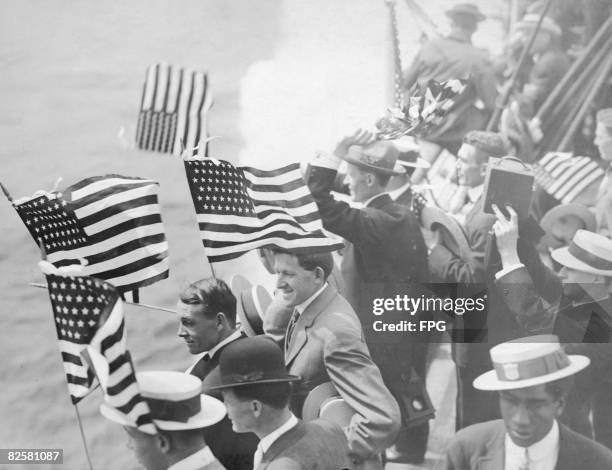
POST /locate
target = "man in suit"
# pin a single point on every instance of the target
(324, 342)
(497, 323)
(207, 323)
(179, 413)
(583, 320)
(385, 255)
(256, 390)
(532, 376)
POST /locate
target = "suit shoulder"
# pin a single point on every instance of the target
(595, 454)
(477, 435)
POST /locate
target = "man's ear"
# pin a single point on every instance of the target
(560, 402)
(163, 443)
(370, 179)
(319, 274)
(256, 408)
(222, 320)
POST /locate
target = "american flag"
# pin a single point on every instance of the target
(113, 222)
(173, 110)
(564, 176)
(240, 209)
(89, 315)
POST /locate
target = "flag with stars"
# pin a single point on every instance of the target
(173, 110)
(88, 315)
(111, 222)
(241, 208)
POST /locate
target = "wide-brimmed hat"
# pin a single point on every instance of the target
(468, 9)
(379, 157)
(453, 236)
(588, 252)
(530, 21)
(558, 213)
(250, 361)
(325, 402)
(251, 306)
(410, 154)
(175, 400)
(527, 362)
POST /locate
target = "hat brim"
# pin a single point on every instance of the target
(490, 382)
(420, 163)
(324, 401)
(478, 15)
(453, 235)
(563, 210)
(261, 301)
(565, 258)
(397, 169)
(212, 412)
(289, 378)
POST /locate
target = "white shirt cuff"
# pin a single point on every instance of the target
(508, 269)
(326, 160)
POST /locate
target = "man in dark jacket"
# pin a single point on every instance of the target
(207, 323)
(385, 254)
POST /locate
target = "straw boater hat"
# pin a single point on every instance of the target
(325, 402)
(409, 154)
(558, 213)
(251, 361)
(379, 157)
(527, 362)
(453, 236)
(467, 9)
(251, 304)
(175, 401)
(589, 253)
(530, 21)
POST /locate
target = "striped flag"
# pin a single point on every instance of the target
(173, 110)
(240, 209)
(112, 222)
(564, 177)
(88, 316)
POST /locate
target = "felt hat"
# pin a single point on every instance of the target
(530, 21)
(453, 236)
(588, 252)
(250, 361)
(325, 402)
(251, 307)
(409, 154)
(468, 9)
(558, 213)
(527, 362)
(175, 400)
(379, 157)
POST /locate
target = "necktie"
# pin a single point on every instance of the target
(525, 463)
(257, 458)
(290, 327)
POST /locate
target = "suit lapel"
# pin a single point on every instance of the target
(283, 442)
(569, 457)
(494, 458)
(307, 318)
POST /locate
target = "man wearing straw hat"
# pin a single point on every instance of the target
(532, 376)
(179, 412)
(207, 323)
(256, 390)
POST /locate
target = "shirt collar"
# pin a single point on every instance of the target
(394, 194)
(266, 442)
(367, 203)
(210, 354)
(302, 307)
(475, 192)
(544, 452)
(201, 458)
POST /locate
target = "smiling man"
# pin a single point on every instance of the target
(532, 376)
(207, 323)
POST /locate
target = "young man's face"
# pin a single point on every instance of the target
(529, 413)
(603, 141)
(295, 283)
(240, 413)
(357, 181)
(146, 449)
(572, 281)
(470, 166)
(200, 332)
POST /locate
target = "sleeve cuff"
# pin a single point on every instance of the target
(326, 160)
(503, 272)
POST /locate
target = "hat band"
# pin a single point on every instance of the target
(589, 258)
(531, 368)
(181, 411)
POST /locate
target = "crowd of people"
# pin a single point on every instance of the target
(308, 382)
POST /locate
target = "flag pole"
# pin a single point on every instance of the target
(135, 296)
(76, 408)
(6, 193)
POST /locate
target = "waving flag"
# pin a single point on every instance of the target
(112, 222)
(88, 315)
(240, 209)
(173, 110)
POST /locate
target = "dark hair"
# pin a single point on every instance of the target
(214, 295)
(465, 21)
(178, 439)
(559, 388)
(275, 395)
(311, 261)
(490, 143)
